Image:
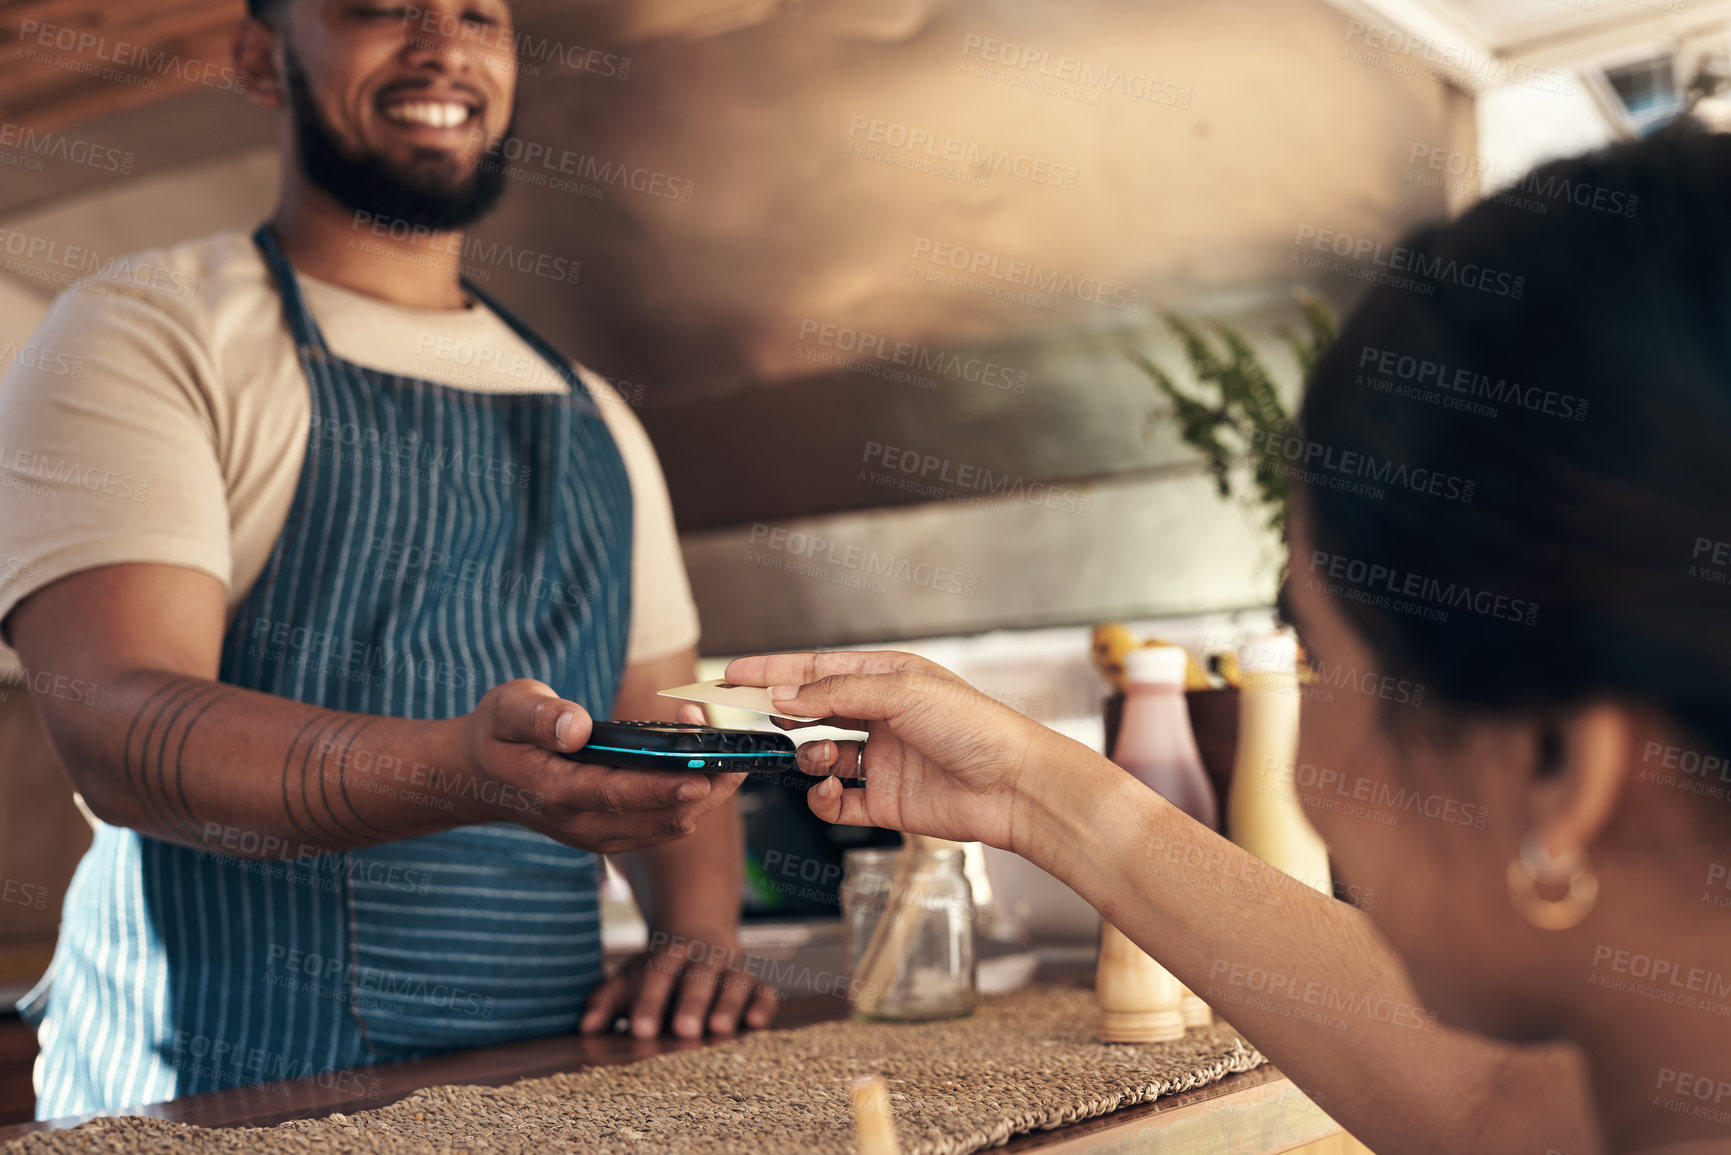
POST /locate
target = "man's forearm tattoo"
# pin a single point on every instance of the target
(165, 736)
(154, 757)
(306, 793)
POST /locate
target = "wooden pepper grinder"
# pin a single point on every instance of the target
(1193, 1010)
(873, 1120)
(1138, 998)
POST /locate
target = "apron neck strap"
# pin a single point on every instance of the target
(531, 339)
(300, 319)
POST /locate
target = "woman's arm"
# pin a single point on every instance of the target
(1306, 978)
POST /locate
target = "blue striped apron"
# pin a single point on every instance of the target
(441, 541)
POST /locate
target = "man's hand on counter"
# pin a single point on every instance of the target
(692, 981)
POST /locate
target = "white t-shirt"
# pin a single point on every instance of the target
(160, 414)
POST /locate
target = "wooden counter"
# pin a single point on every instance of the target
(1256, 1113)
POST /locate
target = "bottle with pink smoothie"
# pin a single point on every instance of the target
(1155, 742)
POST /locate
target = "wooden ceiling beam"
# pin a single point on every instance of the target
(94, 14)
(78, 97)
(149, 56)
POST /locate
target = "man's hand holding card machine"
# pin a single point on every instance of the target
(692, 745)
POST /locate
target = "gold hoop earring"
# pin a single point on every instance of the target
(1535, 862)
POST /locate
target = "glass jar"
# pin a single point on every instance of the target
(929, 940)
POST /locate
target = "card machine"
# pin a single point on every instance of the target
(685, 746)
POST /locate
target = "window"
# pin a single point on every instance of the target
(1648, 90)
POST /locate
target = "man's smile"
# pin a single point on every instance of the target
(443, 116)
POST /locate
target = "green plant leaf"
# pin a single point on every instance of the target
(1235, 401)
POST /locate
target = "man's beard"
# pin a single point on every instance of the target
(431, 196)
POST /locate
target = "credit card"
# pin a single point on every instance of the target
(720, 693)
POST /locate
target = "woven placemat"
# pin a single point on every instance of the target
(1025, 1061)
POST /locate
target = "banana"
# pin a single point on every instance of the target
(1112, 640)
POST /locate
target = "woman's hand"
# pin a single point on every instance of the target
(940, 757)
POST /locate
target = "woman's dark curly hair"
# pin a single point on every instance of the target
(1566, 348)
